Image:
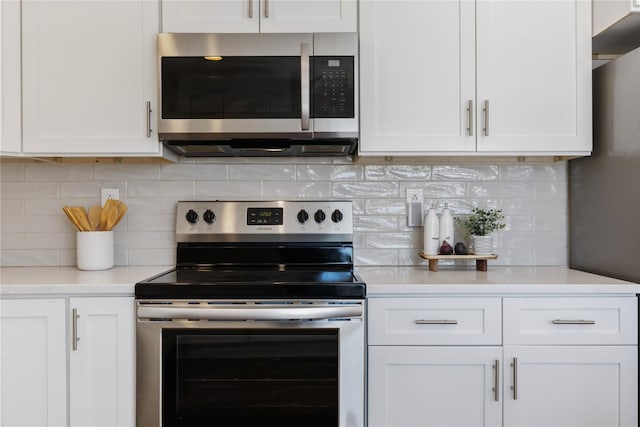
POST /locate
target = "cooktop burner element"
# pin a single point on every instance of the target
(260, 250)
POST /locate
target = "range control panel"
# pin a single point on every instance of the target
(195, 220)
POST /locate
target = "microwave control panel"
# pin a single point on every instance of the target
(333, 87)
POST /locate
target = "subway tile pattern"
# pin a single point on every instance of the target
(35, 232)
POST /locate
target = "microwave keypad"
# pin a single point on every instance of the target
(333, 95)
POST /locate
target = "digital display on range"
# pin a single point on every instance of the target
(264, 216)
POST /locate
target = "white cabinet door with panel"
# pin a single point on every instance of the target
(102, 362)
(534, 76)
(434, 386)
(211, 16)
(254, 16)
(10, 96)
(89, 77)
(418, 76)
(33, 362)
(475, 78)
(581, 386)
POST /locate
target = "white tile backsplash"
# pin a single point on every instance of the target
(35, 231)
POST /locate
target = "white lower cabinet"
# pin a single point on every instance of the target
(579, 367)
(102, 366)
(581, 386)
(434, 386)
(33, 362)
(37, 340)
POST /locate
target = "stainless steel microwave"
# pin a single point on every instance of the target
(258, 94)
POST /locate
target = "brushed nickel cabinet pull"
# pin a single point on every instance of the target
(496, 380)
(486, 118)
(470, 117)
(149, 119)
(436, 322)
(514, 387)
(251, 9)
(74, 329)
(266, 8)
(573, 322)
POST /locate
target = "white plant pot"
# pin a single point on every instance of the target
(482, 245)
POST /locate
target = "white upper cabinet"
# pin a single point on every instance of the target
(534, 71)
(89, 77)
(417, 79)
(10, 102)
(265, 16)
(485, 77)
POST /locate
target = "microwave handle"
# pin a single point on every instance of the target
(304, 85)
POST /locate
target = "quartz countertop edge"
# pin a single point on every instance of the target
(402, 281)
(32, 281)
(381, 281)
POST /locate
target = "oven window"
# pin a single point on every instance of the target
(232, 87)
(259, 377)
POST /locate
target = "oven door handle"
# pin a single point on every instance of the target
(235, 313)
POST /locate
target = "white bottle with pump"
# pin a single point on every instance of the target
(431, 232)
(446, 226)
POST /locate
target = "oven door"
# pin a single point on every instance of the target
(250, 363)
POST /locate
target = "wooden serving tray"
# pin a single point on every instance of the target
(481, 260)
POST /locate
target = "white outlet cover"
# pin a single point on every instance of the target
(109, 193)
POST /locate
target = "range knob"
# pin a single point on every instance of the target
(209, 216)
(336, 216)
(319, 216)
(303, 216)
(192, 216)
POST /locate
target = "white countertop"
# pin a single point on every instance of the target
(72, 281)
(381, 281)
(389, 281)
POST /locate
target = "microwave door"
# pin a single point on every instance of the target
(230, 97)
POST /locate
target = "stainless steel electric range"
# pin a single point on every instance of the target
(260, 323)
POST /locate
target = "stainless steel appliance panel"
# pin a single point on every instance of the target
(604, 191)
(210, 317)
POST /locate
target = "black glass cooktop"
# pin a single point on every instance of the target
(252, 283)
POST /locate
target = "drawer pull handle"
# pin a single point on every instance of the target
(573, 322)
(436, 322)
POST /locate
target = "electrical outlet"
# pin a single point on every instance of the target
(415, 199)
(109, 193)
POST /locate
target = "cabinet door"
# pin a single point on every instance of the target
(571, 386)
(102, 367)
(33, 363)
(419, 58)
(210, 16)
(534, 71)
(308, 16)
(10, 102)
(434, 386)
(89, 70)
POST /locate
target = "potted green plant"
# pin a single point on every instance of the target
(479, 225)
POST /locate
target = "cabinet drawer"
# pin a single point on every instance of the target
(434, 321)
(570, 320)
